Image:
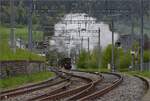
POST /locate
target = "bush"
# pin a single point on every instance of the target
(107, 56)
(88, 60)
(6, 52)
(82, 61)
(147, 56)
(124, 60)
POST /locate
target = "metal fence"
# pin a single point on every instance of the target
(146, 67)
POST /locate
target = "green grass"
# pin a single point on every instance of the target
(12, 82)
(20, 32)
(144, 73)
(95, 69)
(6, 52)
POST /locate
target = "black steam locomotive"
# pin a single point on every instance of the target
(65, 63)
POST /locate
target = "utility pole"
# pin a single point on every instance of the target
(79, 27)
(132, 24)
(12, 23)
(0, 17)
(88, 45)
(142, 26)
(30, 27)
(132, 31)
(69, 54)
(112, 61)
(82, 43)
(99, 48)
(68, 46)
(0, 11)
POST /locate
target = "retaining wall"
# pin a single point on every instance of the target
(12, 68)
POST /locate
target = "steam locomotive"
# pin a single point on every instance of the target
(65, 63)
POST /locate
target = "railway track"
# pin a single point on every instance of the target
(30, 88)
(145, 81)
(67, 91)
(27, 89)
(94, 91)
(103, 88)
(55, 91)
(87, 91)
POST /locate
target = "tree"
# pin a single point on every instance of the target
(147, 56)
(124, 60)
(82, 60)
(21, 13)
(146, 42)
(107, 54)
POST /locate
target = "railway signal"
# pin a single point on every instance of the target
(99, 48)
(112, 61)
(133, 54)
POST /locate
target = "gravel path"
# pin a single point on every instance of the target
(131, 89)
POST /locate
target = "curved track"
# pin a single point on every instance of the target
(145, 81)
(104, 88)
(59, 89)
(79, 90)
(94, 87)
(87, 91)
(30, 88)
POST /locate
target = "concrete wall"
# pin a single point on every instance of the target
(12, 68)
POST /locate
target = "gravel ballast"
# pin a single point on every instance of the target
(131, 89)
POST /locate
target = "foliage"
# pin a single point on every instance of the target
(107, 56)
(146, 42)
(53, 57)
(124, 28)
(20, 13)
(93, 60)
(19, 32)
(147, 56)
(89, 60)
(44, 22)
(144, 73)
(6, 52)
(82, 61)
(124, 60)
(20, 80)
